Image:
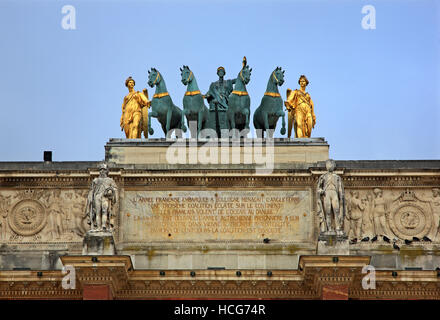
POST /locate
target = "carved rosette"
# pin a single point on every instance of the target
(410, 220)
(28, 217)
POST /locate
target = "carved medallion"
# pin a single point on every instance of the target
(27, 217)
(410, 220)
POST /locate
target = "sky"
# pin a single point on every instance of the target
(376, 91)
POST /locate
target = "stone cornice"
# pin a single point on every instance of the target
(307, 282)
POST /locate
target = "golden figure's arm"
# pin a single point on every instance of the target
(122, 116)
(313, 112)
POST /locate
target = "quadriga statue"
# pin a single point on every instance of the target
(193, 105)
(162, 107)
(239, 101)
(271, 108)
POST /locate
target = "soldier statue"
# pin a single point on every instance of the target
(101, 201)
(217, 97)
(331, 202)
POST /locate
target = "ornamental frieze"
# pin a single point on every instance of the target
(42, 215)
(395, 215)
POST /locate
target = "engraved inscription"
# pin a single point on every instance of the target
(216, 215)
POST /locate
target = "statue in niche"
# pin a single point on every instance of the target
(331, 202)
(101, 201)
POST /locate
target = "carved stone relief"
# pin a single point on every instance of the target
(39, 215)
(355, 213)
(27, 217)
(5, 204)
(394, 214)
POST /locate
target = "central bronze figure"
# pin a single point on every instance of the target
(217, 97)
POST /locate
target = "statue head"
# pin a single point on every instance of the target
(186, 74)
(435, 192)
(303, 81)
(377, 192)
(130, 83)
(330, 165)
(354, 194)
(153, 77)
(278, 76)
(103, 169)
(221, 72)
(245, 74)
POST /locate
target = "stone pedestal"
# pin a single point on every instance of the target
(333, 245)
(167, 154)
(98, 243)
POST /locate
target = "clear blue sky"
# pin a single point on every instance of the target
(376, 92)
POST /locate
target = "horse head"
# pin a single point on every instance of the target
(154, 77)
(187, 75)
(245, 74)
(278, 76)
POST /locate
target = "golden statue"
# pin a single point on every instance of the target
(300, 108)
(134, 117)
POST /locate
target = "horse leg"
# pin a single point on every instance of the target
(247, 116)
(151, 114)
(245, 113)
(164, 129)
(266, 122)
(200, 118)
(257, 123)
(169, 115)
(183, 119)
(282, 114)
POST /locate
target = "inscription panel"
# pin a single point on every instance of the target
(217, 215)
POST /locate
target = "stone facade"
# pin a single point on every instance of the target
(216, 219)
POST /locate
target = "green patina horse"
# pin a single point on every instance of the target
(271, 108)
(239, 101)
(193, 106)
(163, 108)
